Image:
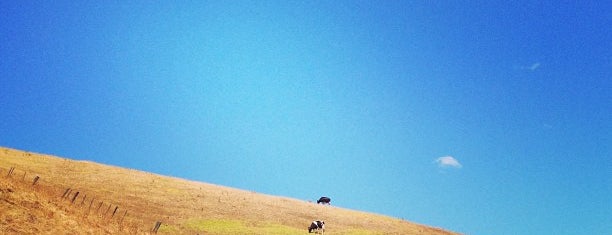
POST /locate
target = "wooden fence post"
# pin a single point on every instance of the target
(65, 193)
(75, 196)
(124, 214)
(90, 203)
(100, 205)
(107, 209)
(115, 211)
(157, 225)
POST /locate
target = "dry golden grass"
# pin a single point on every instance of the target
(142, 199)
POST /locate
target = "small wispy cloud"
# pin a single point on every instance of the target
(534, 66)
(448, 161)
(531, 67)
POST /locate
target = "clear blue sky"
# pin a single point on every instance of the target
(482, 117)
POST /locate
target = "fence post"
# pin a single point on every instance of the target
(157, 225)
(75, 196)
(107, 209)
(124, 214)
(115, 211)
(100, 205)
(35, 180)
(65, 193)
(90, 203)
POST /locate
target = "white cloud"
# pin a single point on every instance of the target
(448, 161)
(534, 66)
(531, 67)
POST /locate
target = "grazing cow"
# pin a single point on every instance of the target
(317, 226)
(324, 200)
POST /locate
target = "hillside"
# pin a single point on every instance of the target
(79, 197)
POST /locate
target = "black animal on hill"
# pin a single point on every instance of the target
(324, 200)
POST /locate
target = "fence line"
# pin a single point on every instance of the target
(73, 195)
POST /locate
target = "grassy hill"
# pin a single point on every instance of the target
(80, 197)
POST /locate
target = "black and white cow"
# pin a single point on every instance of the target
(317, 226)
(324, 200)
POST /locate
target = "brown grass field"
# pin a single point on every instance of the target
(114, 200)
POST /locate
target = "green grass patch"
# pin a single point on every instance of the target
(218, 226)
(277, 229)
(224, 226)
(360, 232)
(168, 229)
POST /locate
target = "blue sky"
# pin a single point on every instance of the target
(479, 117)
